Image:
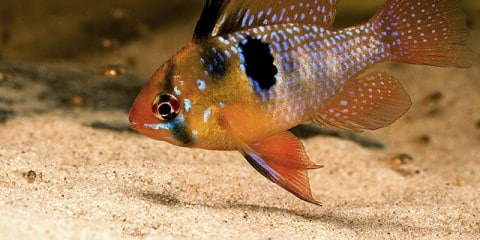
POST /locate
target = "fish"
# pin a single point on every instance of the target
(255, 69)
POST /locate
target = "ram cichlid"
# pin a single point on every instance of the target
(255, 69)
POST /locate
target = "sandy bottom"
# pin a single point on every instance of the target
(71, 168)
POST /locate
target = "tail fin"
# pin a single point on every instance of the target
(427, 32)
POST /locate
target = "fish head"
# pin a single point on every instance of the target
(174, 105)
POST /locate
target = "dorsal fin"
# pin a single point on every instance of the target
(226, 16)
(210, 14)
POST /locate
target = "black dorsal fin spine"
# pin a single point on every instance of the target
(209, 17)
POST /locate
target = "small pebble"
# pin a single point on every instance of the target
(107, 43)
(432, 101)
(401, 163)
(77, 100)
(433, 97)
(458, 182)
(401, 159)
(114, 71)
(423, 140)
(31, 176)
(5, 76)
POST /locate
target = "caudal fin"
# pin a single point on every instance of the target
(427, 32)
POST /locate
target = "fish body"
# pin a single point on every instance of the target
(256, 69)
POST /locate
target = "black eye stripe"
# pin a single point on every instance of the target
(165, 98)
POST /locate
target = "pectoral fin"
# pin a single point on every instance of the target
(282, 159)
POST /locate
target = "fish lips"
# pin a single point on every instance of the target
(141, 118)
(141, 115)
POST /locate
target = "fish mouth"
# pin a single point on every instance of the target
(135, 125)
(140, 113)
(141, 118)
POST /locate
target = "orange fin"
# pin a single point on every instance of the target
(283, 160)
(430, 32)
(373, 101)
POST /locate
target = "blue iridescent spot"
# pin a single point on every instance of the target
(227, 54)
(206, 114)
(195, 133)
(177, 91)
(177, 127)
(201, 85)
(166, 125)
(187, 105)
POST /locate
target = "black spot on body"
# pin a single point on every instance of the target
(180, 132)
(214, 62)
(258, 62)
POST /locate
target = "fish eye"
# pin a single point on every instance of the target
(165, 106)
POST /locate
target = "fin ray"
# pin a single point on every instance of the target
(282, 159)
(374, 101)
(209, 17)
(221, 17)
(429, 32)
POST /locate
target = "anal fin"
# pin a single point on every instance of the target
(374, 101)
(282, 159)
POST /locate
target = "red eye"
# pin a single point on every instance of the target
(165, 106)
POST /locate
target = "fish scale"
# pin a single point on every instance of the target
(254, 69)
(340, 56)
